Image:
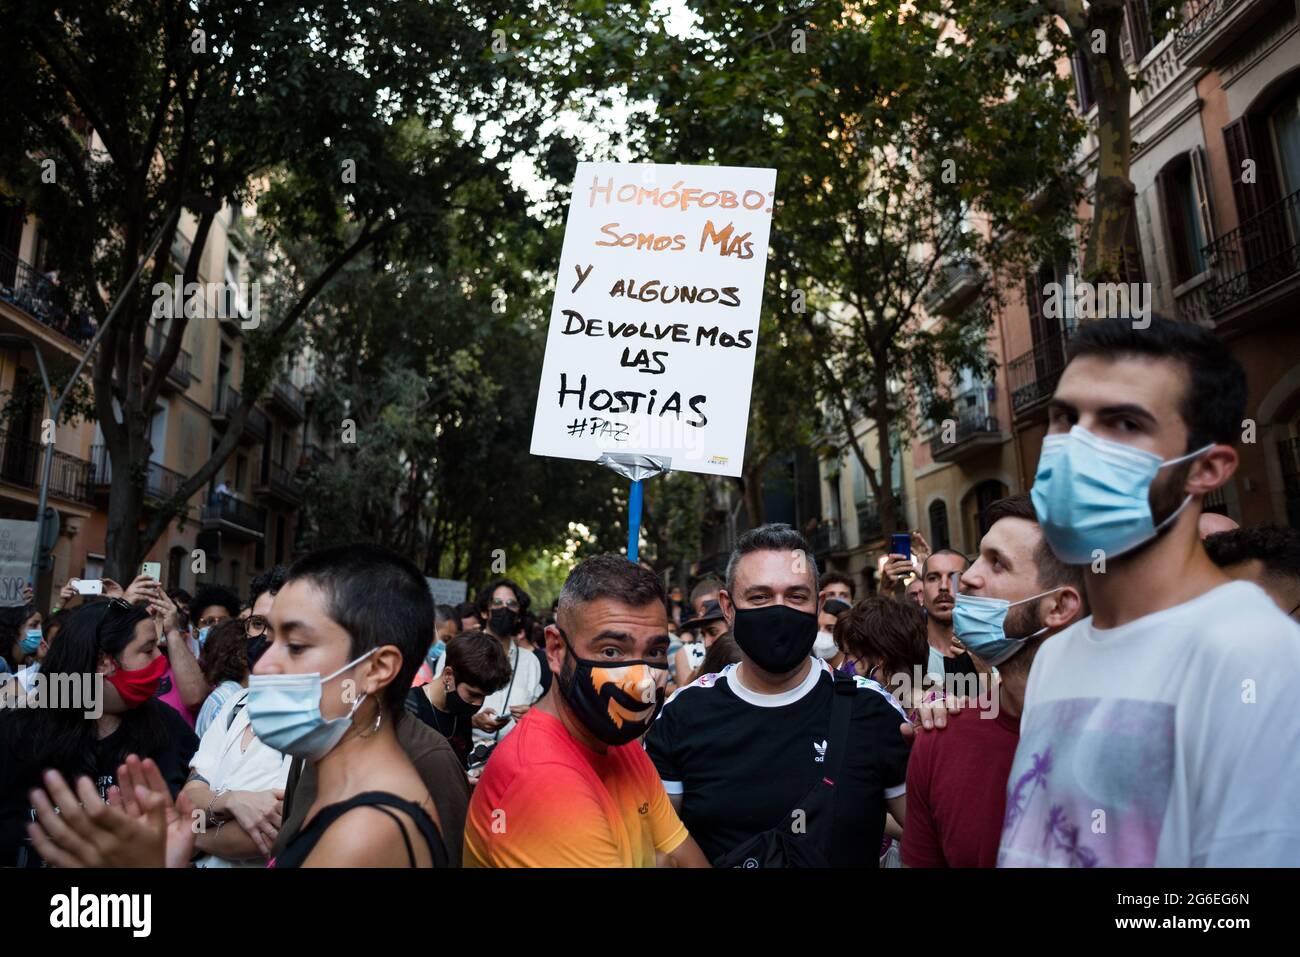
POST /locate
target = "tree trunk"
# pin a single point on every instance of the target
(1113, 192)
(755, 514)
(122, 544)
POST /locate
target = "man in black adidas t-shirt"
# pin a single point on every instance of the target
(740, 751)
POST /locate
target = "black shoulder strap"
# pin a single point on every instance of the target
(841, 710)
(380, 799)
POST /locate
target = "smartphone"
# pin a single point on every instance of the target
(152, 569)
(901, 545)
(88, 586)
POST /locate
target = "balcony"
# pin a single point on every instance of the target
(1210, 27)
(1032, 377)
(956, 285)
(975, 432)
(160, 483)
(71, 478)
(256, 427)
(825, 538)
(234, 518)
(178, 376)
(871, 524)
(23, 287)
(1258, 262)
(313, 456)
(288, 399)
(277, 482)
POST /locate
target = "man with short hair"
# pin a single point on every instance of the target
(476, 667)
(749, 755)
(1160, 731)
(1014, 597)
(939, 574)
(572, 786)
(1268, 555)
(467, 612)
(836, 586)
(502, 605)
(704, 592)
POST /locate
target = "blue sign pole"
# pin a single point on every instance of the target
(633, 520)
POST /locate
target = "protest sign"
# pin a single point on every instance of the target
(655, 318)
(446, 591)
(17, 542)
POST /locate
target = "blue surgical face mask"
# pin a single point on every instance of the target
(285, 712)
(1092, 495)
(436, 650)
(979, 624)
(30, 641)
(202, 636)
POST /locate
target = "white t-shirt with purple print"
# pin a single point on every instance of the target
(1172, 741)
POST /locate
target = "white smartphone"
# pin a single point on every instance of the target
(152, 569)
(88, 586)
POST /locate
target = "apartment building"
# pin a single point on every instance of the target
(1216, 233)
(247, 518)
(1216, 126)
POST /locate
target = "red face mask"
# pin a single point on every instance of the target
(139, 684)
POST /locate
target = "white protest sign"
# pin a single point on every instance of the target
(446, 591)
(17, 542)
(654, 324)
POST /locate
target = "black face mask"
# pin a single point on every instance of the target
(256, 648)
(607, 709)
(458, 706)
(503, 622)
(777, 638)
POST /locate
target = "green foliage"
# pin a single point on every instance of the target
(902, 145)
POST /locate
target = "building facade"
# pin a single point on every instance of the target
(246, 520)
(1216, 235)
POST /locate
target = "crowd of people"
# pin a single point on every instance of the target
(1102, 684)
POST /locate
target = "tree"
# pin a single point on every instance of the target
(1094, 29)
(903, 145)
(335, 121)
(436, 367)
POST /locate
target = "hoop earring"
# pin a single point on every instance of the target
(379, 717)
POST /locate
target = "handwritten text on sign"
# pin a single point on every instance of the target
(655, 318)
(17, 542)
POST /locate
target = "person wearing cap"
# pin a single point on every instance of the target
(707, 626)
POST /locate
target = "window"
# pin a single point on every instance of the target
(986, 493)
(280, 529)
(1138, 15)
(241, 466)
(1082, 82)
(1183, 198)
(235, 582)
(175, 567)
(939, 537)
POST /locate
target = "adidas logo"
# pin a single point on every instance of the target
(820, 749)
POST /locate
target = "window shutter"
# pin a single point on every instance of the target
(1201, 184)
(1175, 231)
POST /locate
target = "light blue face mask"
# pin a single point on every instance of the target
(1091, 495)
(436, 650)
(285, 712)
(202, 636)
(30, 641)
(980, 624)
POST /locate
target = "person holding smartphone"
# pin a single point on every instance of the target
(503, 604)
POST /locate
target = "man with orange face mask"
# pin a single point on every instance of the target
(571, 786)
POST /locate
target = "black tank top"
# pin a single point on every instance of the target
(304, 842)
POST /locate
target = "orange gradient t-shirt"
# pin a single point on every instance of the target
(545, 800)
